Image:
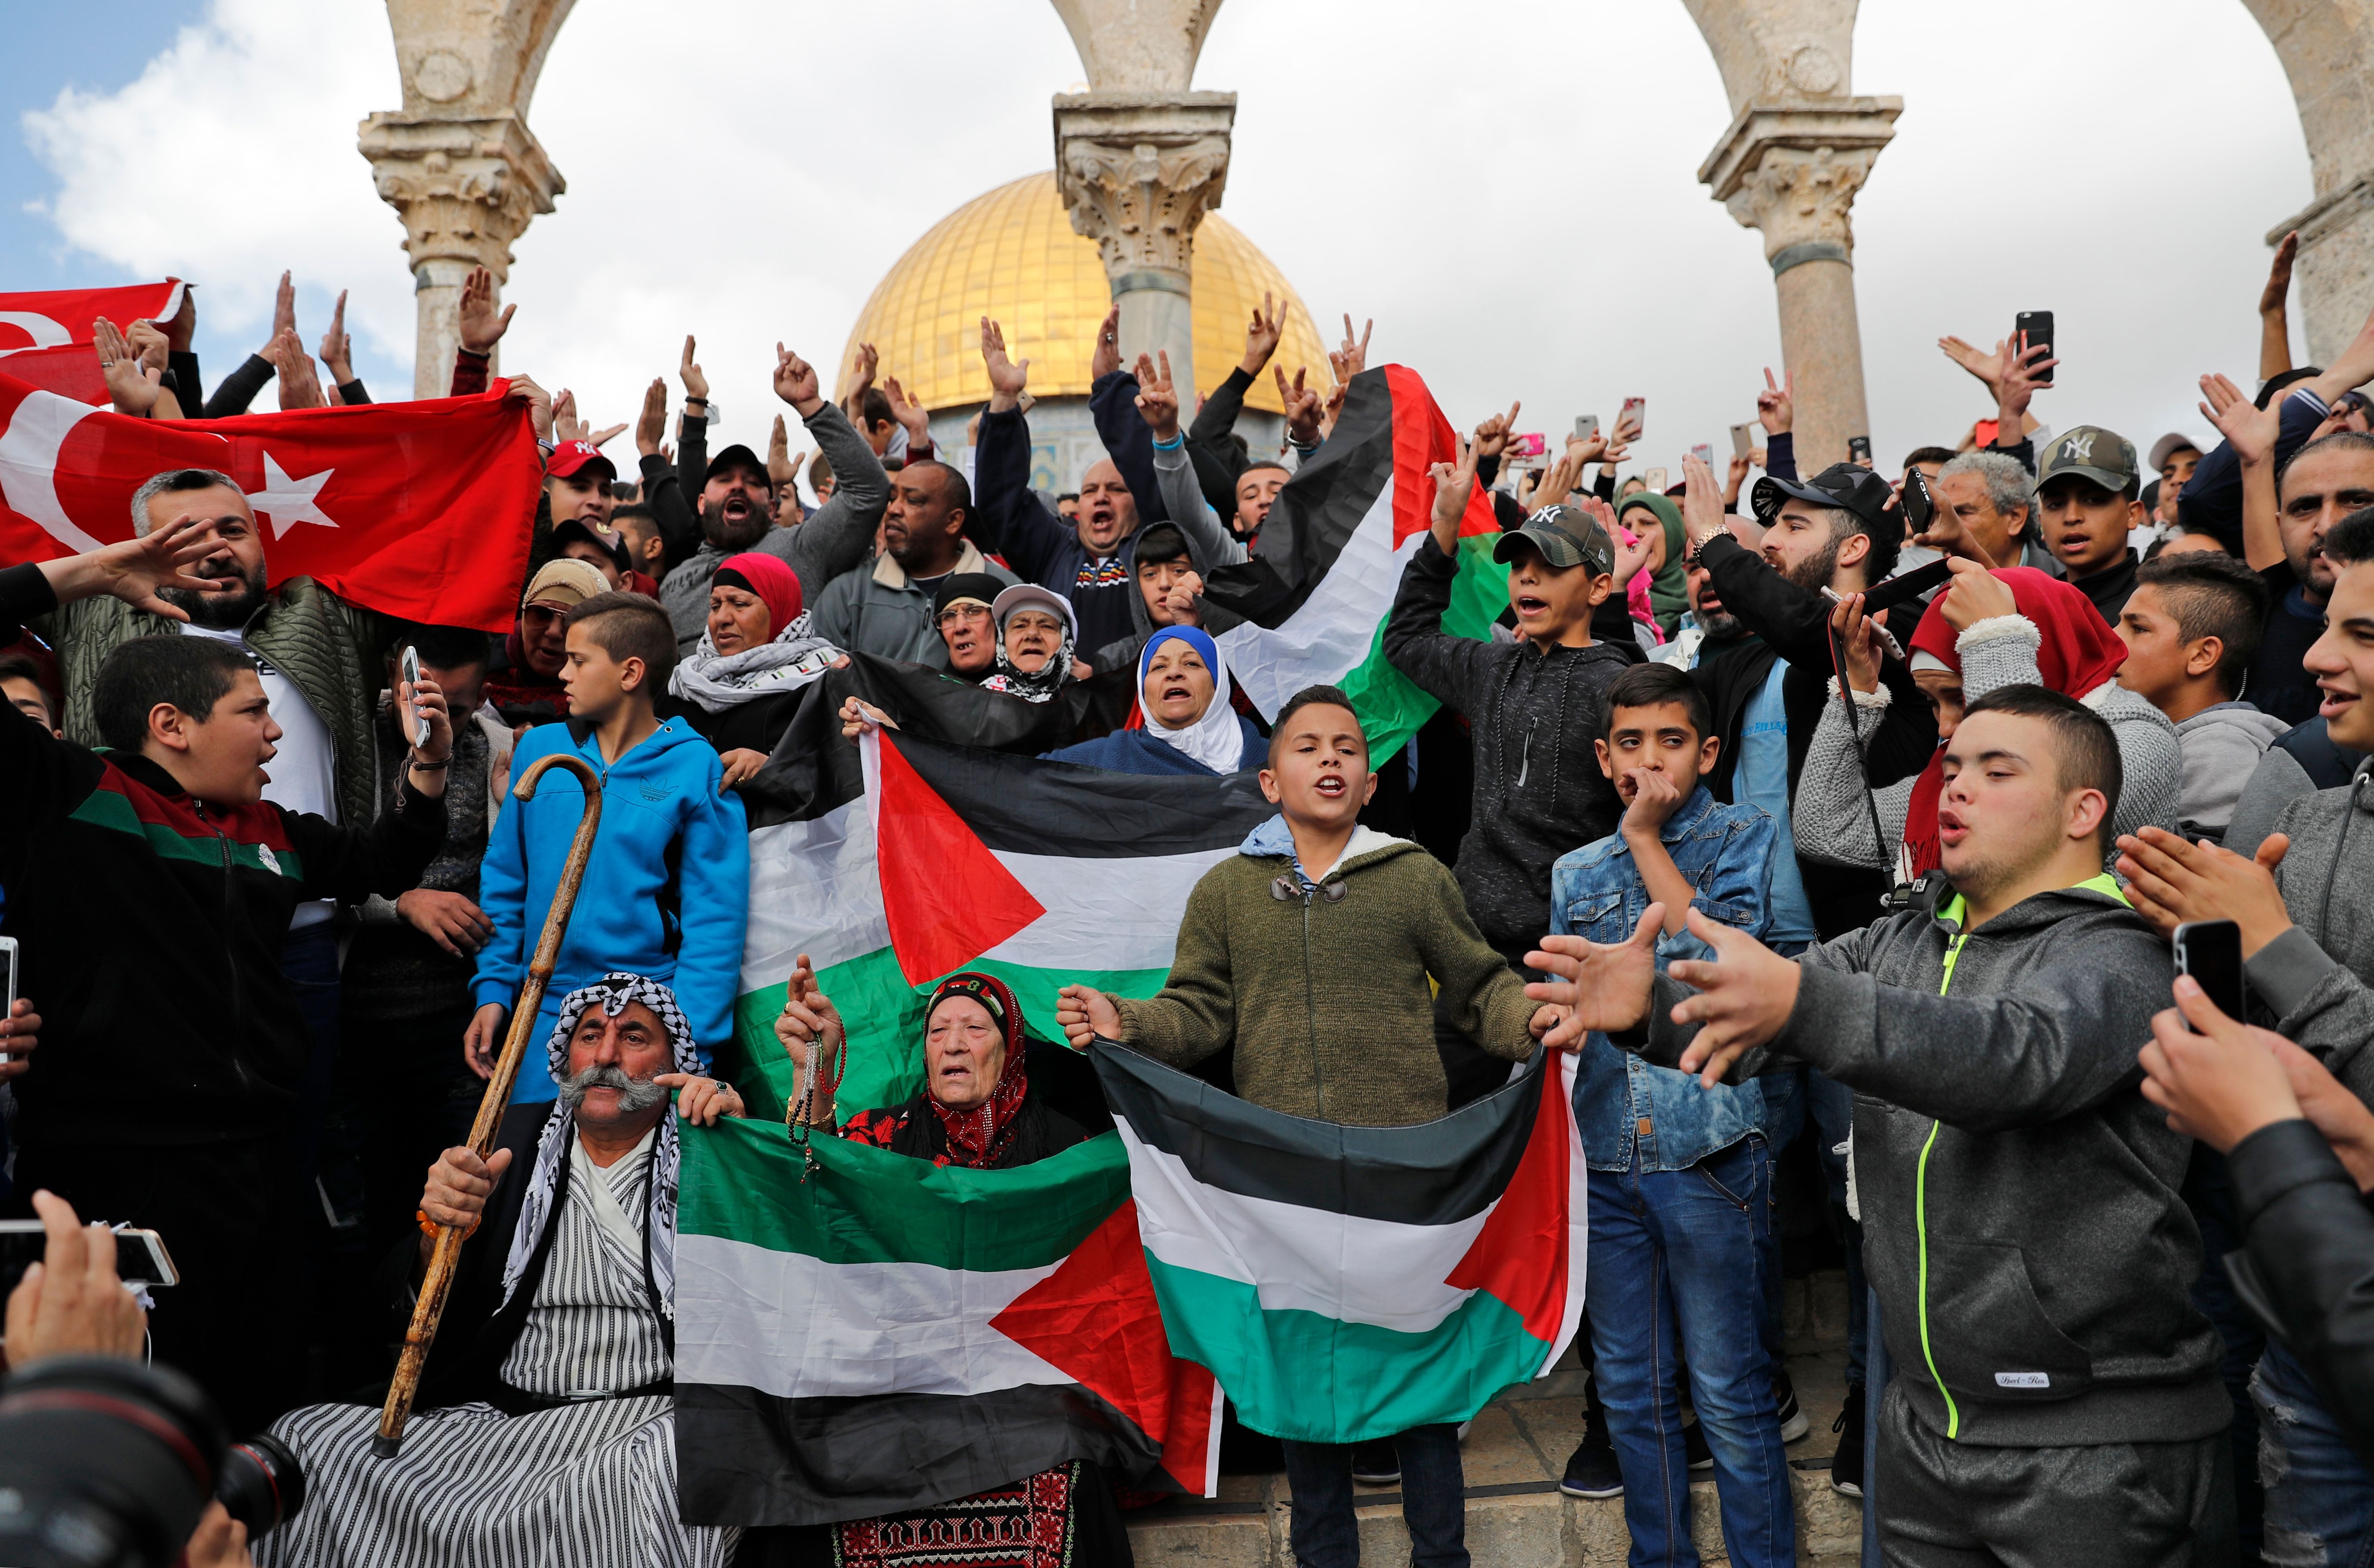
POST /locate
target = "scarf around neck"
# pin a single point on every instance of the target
(717, 681)
(977, 1137)
(611, 994)
(1039, 685)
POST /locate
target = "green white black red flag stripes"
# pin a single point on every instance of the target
(1346, 1283)
(1042, 873)
(1316, 594)
(885, 1334)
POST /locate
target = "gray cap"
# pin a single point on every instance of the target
(2090, 452)
(1566, 536)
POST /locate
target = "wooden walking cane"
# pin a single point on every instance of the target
(439, 1280)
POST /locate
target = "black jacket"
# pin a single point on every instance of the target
(2306, 1267)
(1533, 716)
(1792, 623)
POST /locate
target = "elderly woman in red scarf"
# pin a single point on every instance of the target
(975, 1109)
(758, 651)
(2015, 626)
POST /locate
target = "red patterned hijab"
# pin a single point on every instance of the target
(977, 1137)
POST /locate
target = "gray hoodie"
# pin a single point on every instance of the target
(2022, 1219)
(2221, 745)
(2312, 975)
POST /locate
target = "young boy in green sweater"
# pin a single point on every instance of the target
(1310, 949)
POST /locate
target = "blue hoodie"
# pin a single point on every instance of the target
(663, 822)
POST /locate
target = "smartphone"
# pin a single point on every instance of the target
(8, 997)
(1585, 427)
(1529, 445)
(1859, 449)
(2035, 329)
(1906, 587)
(140, 1255)
(2211, 952)
(1704, 453)
(1743, 439)
(1917, 504)
(1635, 414)
(412, 678)
(1655, 479)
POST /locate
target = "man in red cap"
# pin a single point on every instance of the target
(576, 480)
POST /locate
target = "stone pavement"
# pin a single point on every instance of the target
(1514, 1454)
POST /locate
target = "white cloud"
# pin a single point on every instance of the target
(1510, 191)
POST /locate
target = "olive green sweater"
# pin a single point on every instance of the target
(1326, 997)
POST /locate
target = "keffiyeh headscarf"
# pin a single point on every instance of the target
(1039, 685)
(977, 1137)
(611, 994)
(793, 656)
(1214, 738)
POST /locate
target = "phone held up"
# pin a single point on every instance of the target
(1586, 426)
(1655, 479)
(1704, 453)
(1635, 412)
(9, 997)
(1528, 445)
(1859, 449)
(2034, 330)
(140, 1255)
(1741, 440)
(412, 679)
(1920, 507)
(2211, 952)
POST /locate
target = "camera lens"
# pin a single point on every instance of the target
(103, 1462)
(261, 1484)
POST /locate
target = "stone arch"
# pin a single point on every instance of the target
(2327, 50)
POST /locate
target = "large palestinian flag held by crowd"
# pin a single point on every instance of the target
(1044, 873)
(1316, 593)
(1346, 1283)
(882, 1334)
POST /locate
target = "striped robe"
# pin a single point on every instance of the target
(588, 1485)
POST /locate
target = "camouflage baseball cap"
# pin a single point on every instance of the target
(1566, 536)
(2090, 452)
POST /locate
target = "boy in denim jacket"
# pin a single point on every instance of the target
(1681, 1191)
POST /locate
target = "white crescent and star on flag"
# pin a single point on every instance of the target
(29, 462)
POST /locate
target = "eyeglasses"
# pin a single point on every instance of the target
(956, 614)
(540, 614)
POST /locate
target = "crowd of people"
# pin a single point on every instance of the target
(1838, 818)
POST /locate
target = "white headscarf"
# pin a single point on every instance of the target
(1216, 739)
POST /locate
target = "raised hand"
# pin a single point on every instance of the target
(338, 350)
(1601, 986)
(284, 306)
(2170, 881)
(913, 415)
(861, 381)
(1630, 559)
(809, 1026)
(2249, 428)
(72, 1302)
(2018, 374)
(688, 371)
(133, 389)
(1492, 436)
(538, 401)
(1776, 405)
(1085, 1013)
(134, 570)
(1007, 378)
(1353, 357)
(779, 471)
(1106, 357)
(1261, 336)
(300, 386)
(566, 425)
(147, 341)
(1701, 502)
(651, 425)
(184, 324)
(479, 323)
(1181, 602)
(1860, 637)
(1158, 400)
(1301, 406)
(1744, 996)
(1985, 364)
(795, 382)
(2274, 298)
(1453, 484)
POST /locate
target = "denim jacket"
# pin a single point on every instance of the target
(1596, 893)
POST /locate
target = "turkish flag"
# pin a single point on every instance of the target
(46, 337)
(415, 509)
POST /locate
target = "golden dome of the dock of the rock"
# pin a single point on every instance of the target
(1011, 255)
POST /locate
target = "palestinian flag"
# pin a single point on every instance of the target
(1044, 873)
(1346, 1283)
(883, 1334)
(1316, 593)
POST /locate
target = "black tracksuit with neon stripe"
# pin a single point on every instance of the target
(2021, 1217)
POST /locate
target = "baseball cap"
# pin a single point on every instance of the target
(2169, 446)
(570, 456)
(1031, 596)
(738, 456)
(1848, 485)
(1565, 535)
(608, 539)
(565, 584)
(2090, 452)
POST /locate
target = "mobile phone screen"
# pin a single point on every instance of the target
(2211, 952)
(1655, 479)
(412, 677)
(2035, 327)
(1742, 443)
(1585, 427)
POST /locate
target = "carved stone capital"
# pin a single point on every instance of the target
(1793, 172)
(1139, 172)
(465, 187)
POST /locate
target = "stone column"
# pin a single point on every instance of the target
(465, 187)
(1792, 171)
(2336, 267)
(1139, 171)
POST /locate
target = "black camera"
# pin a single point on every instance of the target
(106, 1462)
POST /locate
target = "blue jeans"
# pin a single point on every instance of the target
(1678, 1262)
(1434, 1500)
(1831, 1106)
(2320, 1508)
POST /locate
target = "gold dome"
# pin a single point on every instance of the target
(1011, 255)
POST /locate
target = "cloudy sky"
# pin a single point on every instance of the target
(1507, 190)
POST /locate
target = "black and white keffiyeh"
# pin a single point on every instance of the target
(718, 682)
(611, 994)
